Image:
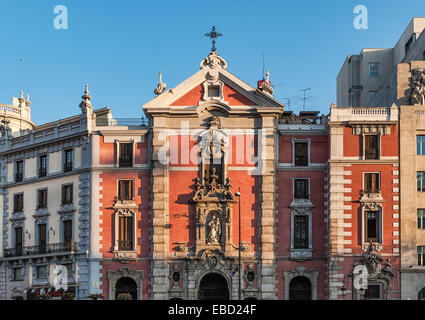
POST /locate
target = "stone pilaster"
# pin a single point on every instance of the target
(267, 209)
(160, 210)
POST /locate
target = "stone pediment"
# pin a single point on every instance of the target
(192, 93)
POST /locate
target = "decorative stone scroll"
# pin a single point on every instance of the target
(417, 84)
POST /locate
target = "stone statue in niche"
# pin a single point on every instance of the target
(418, 86)
(214, 230)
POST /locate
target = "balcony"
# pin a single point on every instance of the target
(19, 177)
(125, 245)
(371, 154)
(50, 249)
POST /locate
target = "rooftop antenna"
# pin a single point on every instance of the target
(305, 98)
(289, 103)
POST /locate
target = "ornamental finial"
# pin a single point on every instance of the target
(161, 85)
(213, 35)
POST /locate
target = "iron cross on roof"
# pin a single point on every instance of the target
(213, 35)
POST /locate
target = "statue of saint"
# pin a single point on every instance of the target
(214, 230)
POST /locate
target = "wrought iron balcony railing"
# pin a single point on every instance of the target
(125, 245)
(38, 250)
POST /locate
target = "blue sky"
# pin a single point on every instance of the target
(118, 47)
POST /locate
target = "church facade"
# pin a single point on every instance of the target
(221, 194)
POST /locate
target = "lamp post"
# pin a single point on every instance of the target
(238, 194)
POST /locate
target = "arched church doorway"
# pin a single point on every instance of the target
(126, 288)
(300, 289)
(213, 286)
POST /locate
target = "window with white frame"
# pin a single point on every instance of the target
(420, 181)
(372, 182)
(301, 188)
(421, 256)
(371, 146)
(301, 157)
(125, 154)
(372, 225)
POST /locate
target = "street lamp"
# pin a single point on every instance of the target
(238, 194)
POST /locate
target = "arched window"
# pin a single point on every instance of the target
(421, 294)
(124, 288)
(300, 289)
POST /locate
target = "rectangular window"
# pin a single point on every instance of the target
(372, 95)
(125, 190)
(420, 145)
(42, 169)
(67, 235)
(371, 147)
(372, 183)
(41, 272)
(18, 241)
(67, 165)
(421, 218)
(126, 155)
(373, 292)
(18, 274)
(301, 154)
(42, 238)
(301, 232)
(213, 91)
(409, 43)
(19, 176)
(372, 226)
(18, 202)
(67, 192)
(125, 241)
(42, 198)
(420, 181)
(374, 69)
(301, 189)
(421, 252)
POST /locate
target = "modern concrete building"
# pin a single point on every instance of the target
(369, 78)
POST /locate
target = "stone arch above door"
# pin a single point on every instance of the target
(114, 276)
(301, 271)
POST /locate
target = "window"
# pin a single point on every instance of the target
(372, 95)
(373, 292)
(18, 241)
(213, 91)
(67, 194)
(374, 69)
(125, 241)
(301, 189)
(301, 154)
(41, 272)
(420, 181)
(126, 155)
(421, 252)
(421, 218)
(301, 232)
(42, 169)
(125, 190)
(372, 226)
(409, 43)
(18, 274)
(371, 147)
(372, 183)
(67, 235)
(42, 199)
(42, 238)
(67, 165)
(18, 202)
(19, 176)
(420, 145)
